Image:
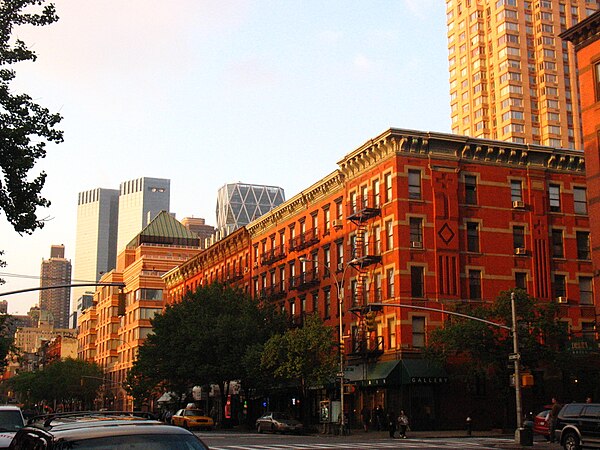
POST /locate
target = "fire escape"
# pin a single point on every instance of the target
(366, 345)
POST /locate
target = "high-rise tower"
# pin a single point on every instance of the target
(96, 240)
(56, 271)
(140, 201)
(511, 77)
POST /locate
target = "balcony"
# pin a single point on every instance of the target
(272, 293)
(363, 209)
(366, 255)
(232, 276)
(366, 346)
(305, 240)
(272, 256)
(305, 280)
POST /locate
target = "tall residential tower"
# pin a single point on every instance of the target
(511, 77)
(56, 271)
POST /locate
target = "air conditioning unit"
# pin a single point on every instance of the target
(337, 223)
(255, 266)
(520, 251)
(562, 299)
(416, 244)
(246, 269)
(518, 204)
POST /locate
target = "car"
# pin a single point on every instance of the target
(191, 418)
(96, 430)
(541, 424)
(11, 421)
(578, 426)
(278, 422)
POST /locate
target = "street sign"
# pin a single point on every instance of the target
(340, 374)
(514, 357)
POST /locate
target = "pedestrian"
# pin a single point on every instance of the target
(392, 424)
(588, 399)
(365, 415)
(402, 424)
(379, 418)
(553, 417)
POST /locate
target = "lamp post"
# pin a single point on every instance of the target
(339, 285)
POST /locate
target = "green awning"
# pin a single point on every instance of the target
(384, 373)
(422, 371)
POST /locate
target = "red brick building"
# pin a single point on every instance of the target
(415, 218)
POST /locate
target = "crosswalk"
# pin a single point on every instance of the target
(474, 443)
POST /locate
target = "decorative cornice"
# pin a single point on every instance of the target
(583, 33)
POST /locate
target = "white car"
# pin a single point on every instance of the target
(11, 421)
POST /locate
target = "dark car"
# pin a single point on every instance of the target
(278, 422)
(541, 424)
(103, 430)
(578, 426)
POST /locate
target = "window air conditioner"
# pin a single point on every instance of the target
(518, 204)
(337, 223)
(416, 244)
(520, 251)
(561, 299)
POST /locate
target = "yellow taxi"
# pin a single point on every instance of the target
(192, 418)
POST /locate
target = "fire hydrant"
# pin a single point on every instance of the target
(469, 426)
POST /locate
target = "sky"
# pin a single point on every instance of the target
(209, 92)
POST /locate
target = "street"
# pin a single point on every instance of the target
(373, 441)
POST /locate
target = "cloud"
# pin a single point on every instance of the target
(363, 64)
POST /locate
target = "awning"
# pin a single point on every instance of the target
(382, 373)
(422, 371)
(396, 373)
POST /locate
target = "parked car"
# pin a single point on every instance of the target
(94, 430)
(192, 418)
(278, 422)
(541, 424)
(578, 425)
(11, 421)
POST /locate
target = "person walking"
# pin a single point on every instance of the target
(403, 424)
(365, 415)
(553, 417)
(392, 424)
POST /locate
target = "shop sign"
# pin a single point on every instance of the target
(429, 380)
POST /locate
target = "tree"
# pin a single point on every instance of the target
(303, 356)
(25, 127)
(203, 340)
(483, 349)
(70, 382)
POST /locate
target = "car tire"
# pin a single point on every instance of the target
(571, 442)
(185, 425)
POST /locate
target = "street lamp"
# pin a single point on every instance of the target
(339, 285)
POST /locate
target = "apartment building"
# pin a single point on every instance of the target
(511, 77)
(413, 218)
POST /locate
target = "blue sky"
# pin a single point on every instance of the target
(208, 92)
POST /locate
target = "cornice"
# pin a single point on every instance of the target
(583, 33)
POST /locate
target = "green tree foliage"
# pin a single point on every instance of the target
(69, 382)
(303, 356)
(6, 341)
(202, 340)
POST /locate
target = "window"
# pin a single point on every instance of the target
(353, 292)
(516, 190)
(418, 332)
(389, 275)
(414, 184)
(388, 186)
(473, 237)
(417, 282)
(149, 294)
(470, 190)
(554, 195)
(475, 284)
(597, 80)
(389, 232)
(339, 254)
(586, 294)
(557, 243)
(391, 329)
(416, 232)
(583, 244)
(327, 219)
(521, 280)
(327, 304)
(377, 240)
(560, 286)
(579, 199)
(376, 194)
(518, 237)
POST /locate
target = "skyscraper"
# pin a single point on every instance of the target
(56, 271)
(511, 77)
(96, 240)
(140, 201)
(239, 204)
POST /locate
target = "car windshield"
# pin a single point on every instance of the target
(10, 420)
(281, 416)
(136, 441)
(193, 412)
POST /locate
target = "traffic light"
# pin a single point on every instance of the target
(527, 380)
(342, 347)
(370, 323)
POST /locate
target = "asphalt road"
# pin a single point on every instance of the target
(253, 441)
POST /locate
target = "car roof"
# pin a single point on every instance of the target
(9, 408)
